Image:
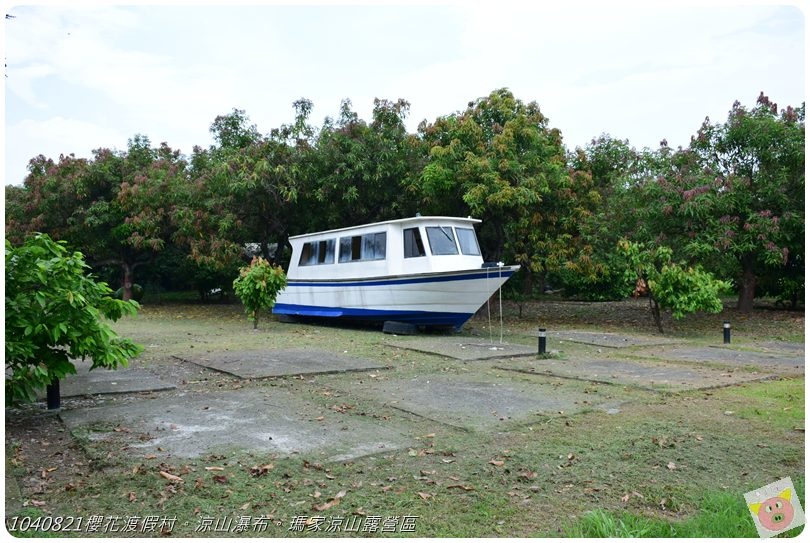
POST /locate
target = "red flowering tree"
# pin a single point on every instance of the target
(734, 200)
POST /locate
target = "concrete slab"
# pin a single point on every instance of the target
(605, 339)
(280, 363)
(483, 402)
(104, 381)
(782, 347)
(648, 375)
(462, 348)
(732, 357)
(262, 419)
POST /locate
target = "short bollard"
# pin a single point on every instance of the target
(53, 398)
(726, 332)
(541, 341)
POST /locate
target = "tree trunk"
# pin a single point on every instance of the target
(748, 285)
(656, 313)
(528, 283)
(129, 270)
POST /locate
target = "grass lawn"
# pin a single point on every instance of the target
(667, 465)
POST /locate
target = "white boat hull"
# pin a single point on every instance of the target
(429, 299)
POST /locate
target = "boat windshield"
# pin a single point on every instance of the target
(442, 240)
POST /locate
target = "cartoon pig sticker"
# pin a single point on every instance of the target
(774, 514)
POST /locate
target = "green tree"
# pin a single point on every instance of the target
(244, 191)
(55, 312)
(601, 174)
(358, 171)
(258, 285)
(671, 285)
(500, 161)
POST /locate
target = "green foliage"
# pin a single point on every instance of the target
(54, 313)
(722, 514)
(671, 285)
(733, 201)
(500, 161)
(258, 285)
(599, 278)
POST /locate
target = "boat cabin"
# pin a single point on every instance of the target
(415, 245)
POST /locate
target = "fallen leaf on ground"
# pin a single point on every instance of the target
(671, 466)
(424, 495)
(331, 503)
(468, 488)
(257, 471)
(220, 479)
(498, 463)
(170, 477)
(214, 468)
(132, 497)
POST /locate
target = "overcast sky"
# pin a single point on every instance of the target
(83, 77)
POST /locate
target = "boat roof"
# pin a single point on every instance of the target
(416, 219)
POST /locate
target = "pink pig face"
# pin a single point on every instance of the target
(775, 514)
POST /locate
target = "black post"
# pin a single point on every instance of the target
(54, 400)
(726, 332)
(541, 341)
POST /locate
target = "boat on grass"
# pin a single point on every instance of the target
(424, 271)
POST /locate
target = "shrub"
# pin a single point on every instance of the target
(258, 285)
(54, 313)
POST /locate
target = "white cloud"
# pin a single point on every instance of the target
(81, 78)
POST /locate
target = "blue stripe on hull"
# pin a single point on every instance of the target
(421, 318)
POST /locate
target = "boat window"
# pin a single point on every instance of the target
(442, 241)
(412, 240)
(467, 241)
(317, 252)
(365, 247)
